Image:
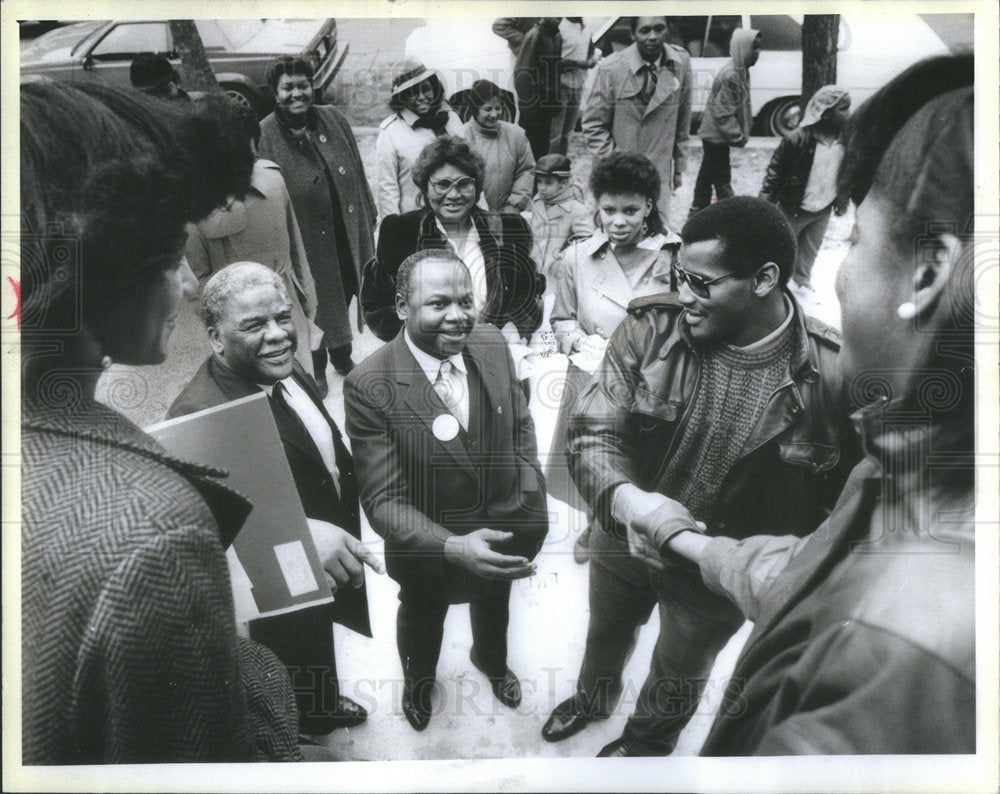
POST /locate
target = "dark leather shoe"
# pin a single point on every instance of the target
(567, 719)
(348, 715)
(344, 367)
(619, 748)
(416, 705)
(506, 688)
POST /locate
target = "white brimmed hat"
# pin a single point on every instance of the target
(408, 73)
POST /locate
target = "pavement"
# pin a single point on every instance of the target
(549, 612)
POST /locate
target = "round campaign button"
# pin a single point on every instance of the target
(445, 427)
(322, 139)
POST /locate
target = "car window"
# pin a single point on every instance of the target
(691, 33)
(720, 31)
(779, 32)
(227, 34)
(125, 40)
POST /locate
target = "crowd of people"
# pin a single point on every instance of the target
(736, 458)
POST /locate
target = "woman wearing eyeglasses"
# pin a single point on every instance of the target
(628, 257)
(495, 247)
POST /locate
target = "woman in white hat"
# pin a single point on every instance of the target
(419, 115)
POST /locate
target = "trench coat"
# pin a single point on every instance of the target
(326, 150)
(613, 119)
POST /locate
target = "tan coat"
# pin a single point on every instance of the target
(614, 121)
(593, 292)
(261, 228)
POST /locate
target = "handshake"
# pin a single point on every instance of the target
(656, 525)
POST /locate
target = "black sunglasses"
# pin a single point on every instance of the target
(699, 284)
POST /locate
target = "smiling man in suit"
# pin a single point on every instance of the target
(248, 317)
(448, 473)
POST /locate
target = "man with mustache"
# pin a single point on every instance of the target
(448, 473)
(248, 316)
(724, 398)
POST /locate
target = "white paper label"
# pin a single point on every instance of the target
(295, 568)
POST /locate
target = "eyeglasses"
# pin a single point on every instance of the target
(699, 284)
(443, 186)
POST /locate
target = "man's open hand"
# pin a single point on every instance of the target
(475, 553)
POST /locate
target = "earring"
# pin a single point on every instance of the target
(907, 311)
(106, 362)
(645, 230)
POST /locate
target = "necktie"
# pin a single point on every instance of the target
(450, 389)
(649, 83)
(280, 398)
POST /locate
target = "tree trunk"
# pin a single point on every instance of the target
(819, 53)
(196, 74)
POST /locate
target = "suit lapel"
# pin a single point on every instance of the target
(666, 84)
(423, 401)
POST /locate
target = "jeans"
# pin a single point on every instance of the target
(695, 625)
(564, 120)
(809, 229)
(713, 172)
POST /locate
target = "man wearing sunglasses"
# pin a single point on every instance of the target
(722, 397)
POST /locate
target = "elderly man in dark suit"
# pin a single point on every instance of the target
(448, 473)
(248, 317)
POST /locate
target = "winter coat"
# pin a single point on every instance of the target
(536, 72)
(614, 119)
(864, 635)
(261, 228)
(129, 645)
(513, 284)
(728, 116)
(628, 420)
(593, 292)
(396, 150)
(509, 165)
(557, 222)
(326, 152)
(788, 172)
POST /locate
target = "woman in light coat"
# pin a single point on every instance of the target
(504, 148)
(260, 226)
(419, 115)
(630, 256)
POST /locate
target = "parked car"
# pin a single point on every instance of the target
(238, 51)
(872, 49)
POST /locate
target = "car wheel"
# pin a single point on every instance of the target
(241, 96)
(783, 117)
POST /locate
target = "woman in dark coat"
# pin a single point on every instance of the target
(129, 645)
(321, 165)
(495, 247)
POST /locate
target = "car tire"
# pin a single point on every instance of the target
(782, 116)
(242, 95)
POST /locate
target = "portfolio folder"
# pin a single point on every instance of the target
(274, 548)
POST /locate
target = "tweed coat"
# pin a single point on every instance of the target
(130, 651)
(419, 489)
(326, 147)
(260, 228)
(614, 120)
(215, 385)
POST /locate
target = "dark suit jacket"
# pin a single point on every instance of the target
(213, 385)
(513, 284)
(418, 490)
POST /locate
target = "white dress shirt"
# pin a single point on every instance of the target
(315, 423)
(431, 366)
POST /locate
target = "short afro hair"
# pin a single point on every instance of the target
(404, 276)
(291, 65)
(232, 279)
(752, 231)
(448, 150)
(622, 173)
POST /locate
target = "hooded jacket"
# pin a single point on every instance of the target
(728, 116)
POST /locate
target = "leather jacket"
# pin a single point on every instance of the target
(632, 414)
(788, 173)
